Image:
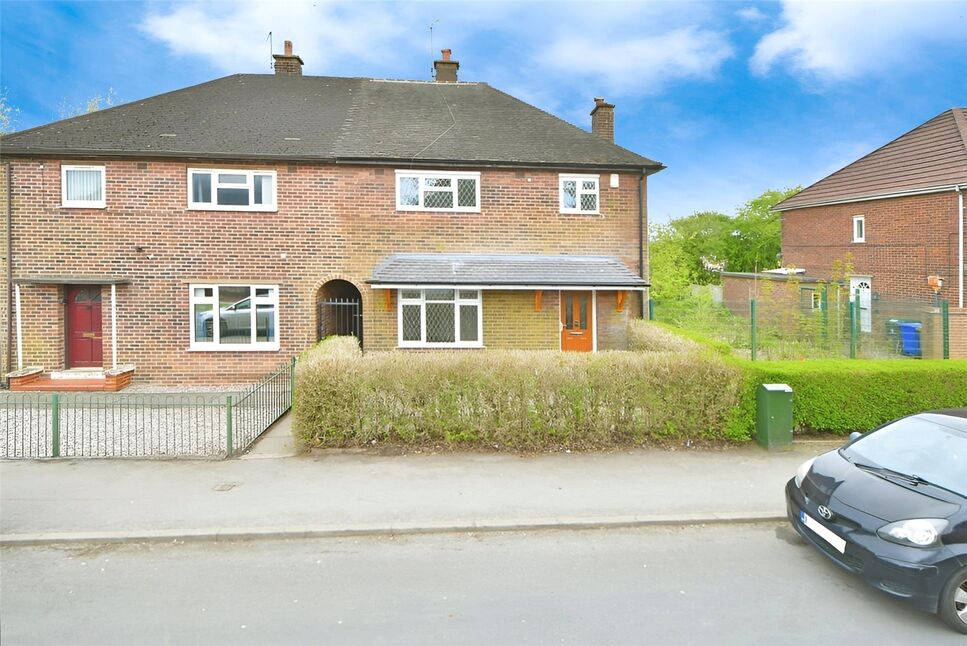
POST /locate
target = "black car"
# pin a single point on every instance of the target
(891, 506)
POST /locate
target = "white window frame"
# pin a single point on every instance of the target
(249, 184)
(457, 302)
(82, 204)
(453, 176)
(579, 191)
(861, 220)
(214, 345)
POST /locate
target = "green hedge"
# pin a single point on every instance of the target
(516, 400)
(846, 395)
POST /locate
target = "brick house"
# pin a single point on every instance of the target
(209, 233)
(896, 216)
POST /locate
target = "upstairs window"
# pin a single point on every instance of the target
(82, 187)
(456, 192)
(231, 190)
(859, 228)
(579, 194)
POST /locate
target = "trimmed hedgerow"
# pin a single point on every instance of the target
(653, 336)
(514, 400)
(846, 395)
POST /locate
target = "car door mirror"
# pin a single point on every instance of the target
(855, 435)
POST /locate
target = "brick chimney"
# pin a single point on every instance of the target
(287, 64)
(446, 70)
(602, 119)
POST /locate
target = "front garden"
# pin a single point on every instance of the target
(667, 389)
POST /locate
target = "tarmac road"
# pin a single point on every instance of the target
(723, 584)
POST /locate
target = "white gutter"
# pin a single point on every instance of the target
(869, 198)
(548, 288)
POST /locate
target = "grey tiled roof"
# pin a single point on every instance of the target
(932, 155)
(252, 116)
(503, 269)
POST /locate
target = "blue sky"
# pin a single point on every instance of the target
(734, 97)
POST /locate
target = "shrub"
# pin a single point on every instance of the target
(648, 336)
(516, 400)
(844, 395)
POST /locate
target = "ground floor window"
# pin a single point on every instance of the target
(431, 318)
(247, 317)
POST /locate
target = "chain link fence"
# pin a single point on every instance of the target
(813, 322)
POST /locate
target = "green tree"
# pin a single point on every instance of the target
(671, 269)
(755, 242)
(701, 237)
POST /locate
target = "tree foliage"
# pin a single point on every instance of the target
(695, 248)
(93, 104)
(8, 114)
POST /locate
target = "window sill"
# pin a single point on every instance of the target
(84, 206)
(440, 346)
(453, 211)
(858, 242)
(239, 348)
(584, 213)
(236, 209)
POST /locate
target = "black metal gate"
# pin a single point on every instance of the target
(340, 317)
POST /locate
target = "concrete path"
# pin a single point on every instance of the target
(277, 442)
(347, 493)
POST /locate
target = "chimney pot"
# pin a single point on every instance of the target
(445, 70)
(288, 48)
(602, 119)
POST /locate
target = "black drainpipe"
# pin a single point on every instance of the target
(9, 253)
(641, 240)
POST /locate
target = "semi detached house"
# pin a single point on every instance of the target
(207, 234)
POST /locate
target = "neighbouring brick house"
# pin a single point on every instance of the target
(896, 216)
(209, 233)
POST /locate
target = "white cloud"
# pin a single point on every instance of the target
(750, 14)
(639, 64)
(232, 36)
(842, 40)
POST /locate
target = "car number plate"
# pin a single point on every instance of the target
(821, 531)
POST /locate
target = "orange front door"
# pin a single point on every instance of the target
(577, 322)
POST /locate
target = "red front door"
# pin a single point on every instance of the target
(84, 349)
(577, 322)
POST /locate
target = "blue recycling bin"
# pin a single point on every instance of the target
(910, 339)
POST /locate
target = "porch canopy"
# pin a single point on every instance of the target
(504, 271)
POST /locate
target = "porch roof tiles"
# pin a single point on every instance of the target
(509, 270)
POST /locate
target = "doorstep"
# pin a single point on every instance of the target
(74, 380)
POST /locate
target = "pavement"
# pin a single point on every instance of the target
(348, 493)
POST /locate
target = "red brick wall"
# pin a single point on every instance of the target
(332, 222)
(907, 239)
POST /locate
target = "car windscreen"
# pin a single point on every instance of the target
(918, 447)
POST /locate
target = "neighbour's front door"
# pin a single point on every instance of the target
(84, 348)
(577, 322)
(866, 301)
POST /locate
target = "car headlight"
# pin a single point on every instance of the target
(916, 532)
(803, 470)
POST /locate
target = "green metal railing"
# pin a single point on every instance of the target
(119, 425)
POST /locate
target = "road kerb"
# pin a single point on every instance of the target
(391, 529)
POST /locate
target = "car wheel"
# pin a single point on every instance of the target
(953, 601)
